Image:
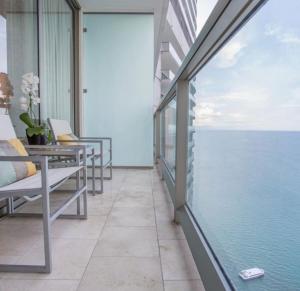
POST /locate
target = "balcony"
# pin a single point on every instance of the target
(202, 134)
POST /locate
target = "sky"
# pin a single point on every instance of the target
(253, 83)
(204, 7)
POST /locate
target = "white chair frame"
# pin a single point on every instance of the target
(60, 127)
(40, 186)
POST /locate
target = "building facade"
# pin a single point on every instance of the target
(178, 35)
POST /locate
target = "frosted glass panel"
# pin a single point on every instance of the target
(119, 82)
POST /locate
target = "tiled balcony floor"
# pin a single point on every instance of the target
(128, 243)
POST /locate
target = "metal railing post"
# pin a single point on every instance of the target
(182, 92)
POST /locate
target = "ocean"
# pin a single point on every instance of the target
(247, 201)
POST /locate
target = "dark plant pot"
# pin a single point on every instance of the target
(37, 140)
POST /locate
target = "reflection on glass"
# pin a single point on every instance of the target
(3, 45)
(18, 48)
(169, 136)
(57, 60)
(244, 170)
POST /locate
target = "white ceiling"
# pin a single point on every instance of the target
(121, 5)
(157, 7)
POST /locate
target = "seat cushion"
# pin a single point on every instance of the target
(14, 171)
(54, 176)
(67, 139)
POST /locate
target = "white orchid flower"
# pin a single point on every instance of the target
(36, 80)
(25, 89)
(30, 88)
(36, 100)
(28, 77)
(35, 87)
(24, 107)
(23, 100)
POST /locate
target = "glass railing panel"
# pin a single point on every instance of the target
(244, 150)
(169, 135)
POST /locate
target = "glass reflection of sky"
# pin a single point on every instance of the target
(3, 48)
(254, 81)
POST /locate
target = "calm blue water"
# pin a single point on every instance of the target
(247, 200)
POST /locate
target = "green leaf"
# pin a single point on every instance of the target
(25, 117)
(35, 131)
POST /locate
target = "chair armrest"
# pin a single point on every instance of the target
(94, 138)
(35, 159)
(77, 153)
(97, 139)
(55, 150)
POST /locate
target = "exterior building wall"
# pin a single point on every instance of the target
(178, 36)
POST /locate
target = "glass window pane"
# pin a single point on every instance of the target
(244, 168)
(57, 60)
(18, 50)
(169, 136)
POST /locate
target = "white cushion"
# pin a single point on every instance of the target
(60, 127)
(7, 130)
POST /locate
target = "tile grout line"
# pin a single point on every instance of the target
(114, 199)
(159, 252)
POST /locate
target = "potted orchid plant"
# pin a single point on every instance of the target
(36, 131)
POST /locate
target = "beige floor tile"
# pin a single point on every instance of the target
(127, 241)
(35, 223)
(17, 239)
(134, 199)
(164, 213)
(131, 216)
(177, 261)
(123, 255)
(163, 203)
(136, 188)
(122, 274)
(70, 258)
(161, 195)
(192, 285)
(38, 285)
(102, 200)
(82, 229)
(158, 186)
(170, 231)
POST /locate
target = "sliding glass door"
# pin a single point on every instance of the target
(37, 36)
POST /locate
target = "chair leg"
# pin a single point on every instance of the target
(10, 205)
(46, 228)
(93, 177)
(77, 188)
(101, 169)
(110, 171)
(78, 185)
(85, 193)
(8, 209)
